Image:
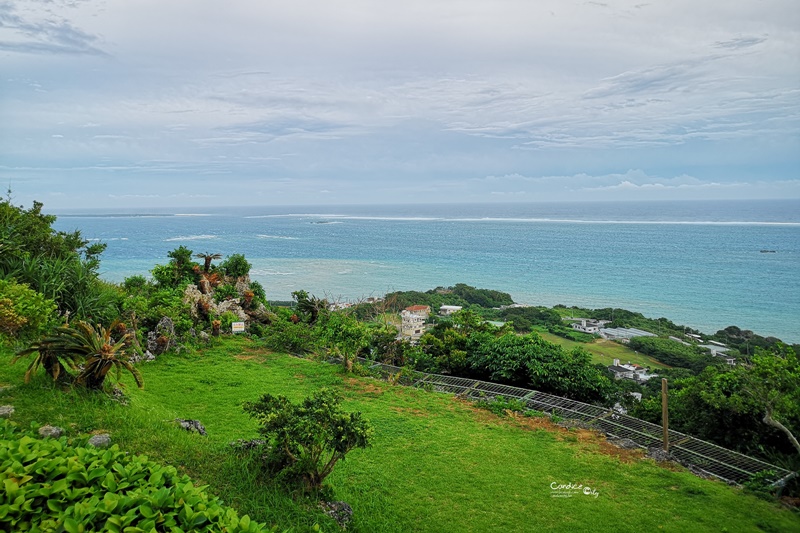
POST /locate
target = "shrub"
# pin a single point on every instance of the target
(286, 336)
(23, 311)
(235, 266)
(53, 485)
(225, 292)
(135, 283)
(304, 442)
(226, 319)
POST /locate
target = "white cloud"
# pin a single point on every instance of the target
(393, 99)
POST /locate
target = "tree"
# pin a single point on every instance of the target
(772, 382)
(345, 335)
(236, 266)
(207, 258)
(59, 265)
(309, 306)
(304, 442)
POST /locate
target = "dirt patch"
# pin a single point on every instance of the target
(252, 353)
(364, 387)
(790, 501)
(587, 437)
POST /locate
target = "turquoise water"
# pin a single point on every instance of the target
(697, 263)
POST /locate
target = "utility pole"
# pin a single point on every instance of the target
(665, 414)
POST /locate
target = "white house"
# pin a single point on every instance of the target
(447, 310)
(587, 325)
(629, 371)
(412, 324)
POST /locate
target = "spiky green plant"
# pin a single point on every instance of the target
(85, 344)
(54, 361)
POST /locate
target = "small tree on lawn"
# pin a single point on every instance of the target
(305, 441)
(345, 335)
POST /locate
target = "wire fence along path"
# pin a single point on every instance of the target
(700, 456)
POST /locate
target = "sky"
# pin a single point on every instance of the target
(120, 103)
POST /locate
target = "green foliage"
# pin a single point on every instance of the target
(225, 292)
(525, 318)
(23, 311)
(61, 266)
(135, 284)
(760, 485)
(235, 266)
(571, 334)
(343, 334)
(30, 232)
(180, 270)
(501, 406)
(481, 297)
(469, 347)
(309, 307)
(151, 303)
(52, 485)
(673, 353)
(226, 319)
(83, 344)
(285, 336)
(532, 362)
(744, 340)
(259, 294)
(728, 406)
(306, 440)
(460, 294)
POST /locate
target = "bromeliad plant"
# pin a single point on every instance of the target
(89, 351)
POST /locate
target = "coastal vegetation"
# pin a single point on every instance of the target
(172, 330)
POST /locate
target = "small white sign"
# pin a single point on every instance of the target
(237, 327)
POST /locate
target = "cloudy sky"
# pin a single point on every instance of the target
(259, 102)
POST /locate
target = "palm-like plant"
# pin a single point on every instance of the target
(48, 356)
(94, 347)
(207, 258)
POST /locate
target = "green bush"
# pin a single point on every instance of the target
(135, 284)
(226, 319)
(571, 334)
(53, 485)
(235, 266)
(23, 311)
(304, 442)
(284, 336)
(225, 292)
(259, 293)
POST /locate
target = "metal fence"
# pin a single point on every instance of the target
(701, 456)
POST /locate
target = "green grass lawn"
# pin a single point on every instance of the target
(604, 351)
(437, 463)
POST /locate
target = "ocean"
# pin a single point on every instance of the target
(703, 264)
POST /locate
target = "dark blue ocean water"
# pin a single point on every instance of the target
(697, 263)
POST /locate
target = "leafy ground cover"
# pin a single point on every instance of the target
(604, 351)
(436, 464)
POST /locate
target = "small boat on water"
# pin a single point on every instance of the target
(769, 251)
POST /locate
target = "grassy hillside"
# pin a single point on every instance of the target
(437, 463)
